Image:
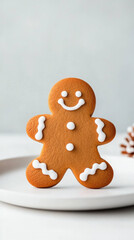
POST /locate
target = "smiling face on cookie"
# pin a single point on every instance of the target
(80, 102)
(72, 95)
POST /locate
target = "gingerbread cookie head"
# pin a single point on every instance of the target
(72, 95)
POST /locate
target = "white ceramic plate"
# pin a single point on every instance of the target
(68, 194)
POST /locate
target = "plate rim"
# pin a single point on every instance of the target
(4, 192)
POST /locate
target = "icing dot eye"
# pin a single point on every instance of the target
(78, 94)
(64, 93)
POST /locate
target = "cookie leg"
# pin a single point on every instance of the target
(97, 174)
(42, 175)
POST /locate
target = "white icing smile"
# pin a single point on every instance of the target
(77, 106)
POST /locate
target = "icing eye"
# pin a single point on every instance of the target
(64, 93)
(78, 94)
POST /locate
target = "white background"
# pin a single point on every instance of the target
(44, 41)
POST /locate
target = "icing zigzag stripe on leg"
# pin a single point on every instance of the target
(101, 134)
(92, 171)
(51, 173)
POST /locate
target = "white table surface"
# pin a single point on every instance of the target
(21, 223)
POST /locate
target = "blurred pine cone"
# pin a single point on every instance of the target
(128, 145)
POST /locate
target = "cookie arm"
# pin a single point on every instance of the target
(35, 127)
(105, 131)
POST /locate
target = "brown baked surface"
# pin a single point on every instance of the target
(84, 137)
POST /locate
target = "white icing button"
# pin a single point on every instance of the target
(78, 94)
(70, 125)
(64, 94)
(69, 147)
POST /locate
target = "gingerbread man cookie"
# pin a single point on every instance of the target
(70, 137)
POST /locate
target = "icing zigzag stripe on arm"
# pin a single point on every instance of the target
(101, 134)
(41, 126)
